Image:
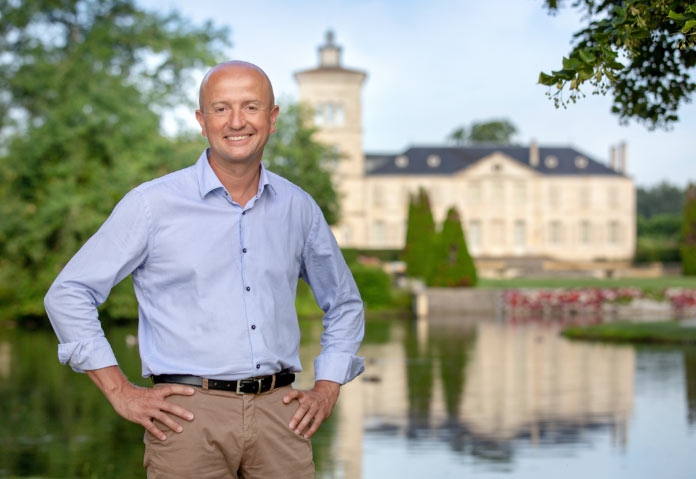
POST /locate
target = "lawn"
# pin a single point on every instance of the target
(664, 332)
(643, 283)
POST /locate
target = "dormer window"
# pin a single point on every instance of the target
(551, 161)
(581, 162)
(401, 161)
(433, 161)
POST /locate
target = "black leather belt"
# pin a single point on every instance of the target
(242, 386)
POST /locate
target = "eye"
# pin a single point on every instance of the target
(252, 108)
(220, 109)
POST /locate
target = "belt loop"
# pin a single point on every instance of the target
(273, 381)
(205, 384)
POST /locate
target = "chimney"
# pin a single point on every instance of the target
(622, 158)
(612, 158)
(533, 154)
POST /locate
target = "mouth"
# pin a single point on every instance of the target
(237, 138)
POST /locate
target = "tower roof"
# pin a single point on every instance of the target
(329, 58)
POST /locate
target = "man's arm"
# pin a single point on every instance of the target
(334, 288)
(141, 405)
(111, 254)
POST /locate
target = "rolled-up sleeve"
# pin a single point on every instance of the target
(114, 251)
(337, 295)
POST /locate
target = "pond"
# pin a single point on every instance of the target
(452, 397)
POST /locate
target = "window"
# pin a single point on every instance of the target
(319, 115)
(378, 232)
(329, 113)
(520, 234)
(433, 161)
(581, 162)
(585, 232)
(555, 233)
(551, 161)
(347, 235)
(401, 161)
(584, 197)
(554, 197)
(377, 197)
(613, 197)
(520, 193)
(474, 235)
(474, 193)
(497, 232)
(614, 232)
(339, 116)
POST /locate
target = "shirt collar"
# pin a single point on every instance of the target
(208, 180)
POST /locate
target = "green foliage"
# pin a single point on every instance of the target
(420, 236)
(660, 199)
(657, 41)
(496, 131)
(499, 132)
(293, 153)
(374, 285)
(688, 249)
(663, 225)
(83, 84)
(671, 332)
(651, 249)
(452, 265)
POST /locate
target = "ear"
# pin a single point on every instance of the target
(201, 121)
(274, 117)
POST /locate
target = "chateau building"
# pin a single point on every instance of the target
(514, 201)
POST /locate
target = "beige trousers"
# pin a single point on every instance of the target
(240, 436)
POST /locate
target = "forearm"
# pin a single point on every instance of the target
(110, 380)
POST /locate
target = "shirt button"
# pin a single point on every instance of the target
(253, 326)
(243, 212)
(248, 288)
(243, 250)
(258, 366)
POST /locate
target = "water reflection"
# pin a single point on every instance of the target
(445, 397)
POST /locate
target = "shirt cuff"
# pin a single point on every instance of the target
(338, 367)
(94, 353)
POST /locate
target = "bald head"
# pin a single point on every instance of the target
(234, 67)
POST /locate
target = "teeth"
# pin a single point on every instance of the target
(237, 138)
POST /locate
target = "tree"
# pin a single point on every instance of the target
(82, 88)
(458, 136)
(661, 199)
(499, 132)
(688, 249)
(657, 41)
(495, 131)
(452, 264)
(420, 236)
(292, 152)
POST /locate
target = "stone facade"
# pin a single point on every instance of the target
(524, 202)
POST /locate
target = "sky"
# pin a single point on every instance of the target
(436, 65)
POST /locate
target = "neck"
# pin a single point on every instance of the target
(240, 180)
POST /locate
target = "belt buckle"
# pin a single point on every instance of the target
(239, 385)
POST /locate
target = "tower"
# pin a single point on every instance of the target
(333, 93)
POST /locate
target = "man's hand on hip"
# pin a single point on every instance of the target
(142, 405)
(314, 407)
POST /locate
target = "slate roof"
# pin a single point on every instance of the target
(455, 159)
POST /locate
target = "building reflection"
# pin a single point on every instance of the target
(483, 387)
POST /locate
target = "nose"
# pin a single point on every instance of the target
(236, 120)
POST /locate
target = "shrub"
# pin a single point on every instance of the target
(453, 265)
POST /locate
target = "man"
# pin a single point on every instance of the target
(216, 251)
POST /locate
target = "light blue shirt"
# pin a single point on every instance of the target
(215, 281)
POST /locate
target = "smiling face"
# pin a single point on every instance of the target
(236, 113)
